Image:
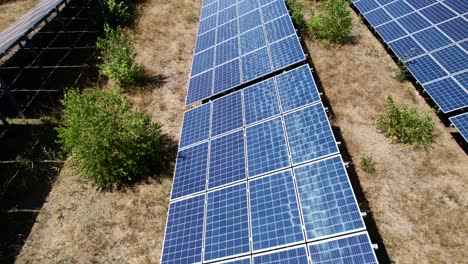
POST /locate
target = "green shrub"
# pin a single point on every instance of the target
(367, 164)
(332, 22)
(112, 12)
(298, 16)
(406, 125)
(110, 143)
(117, 57)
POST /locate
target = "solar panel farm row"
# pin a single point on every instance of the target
(432, 37)
(238, 42)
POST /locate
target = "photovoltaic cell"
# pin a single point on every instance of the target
(184, 231)
(351, 249)
(227, 14)
(255, 64)
(207, 24)
(205, 41)
(417, 4)
(453, 58)
(437, 13)
(227, 160)
(227, 114)
(246, 6)
(461, 7)
(274, 10)
(398, 8)
(260, 101)
(190, 172)
(456, 29)
(431, 39)
(378, 17)
(227, 31)
(406, 48)
(252, 40)
(279, 29)
(425, 69)
(366, 5)
(203, 61)
(223, 4)
(266, 147)
(227, 223)
(290, 256)
(227, 76)
(249, 21)
(390, 31)
(461, 123)
(209, 10)
(199, 87)
(297, 88)
(413, 22)
(462, 78)
(328, 203)
(238, 261)
(448, 95)
(274, 211)
(227, 51)
(196, 125)
(309, 134)
(286, 52)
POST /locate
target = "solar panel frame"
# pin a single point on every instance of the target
(461, 123)
(296, 255)
(190, 136)
(447, 94)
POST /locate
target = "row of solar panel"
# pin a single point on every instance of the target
(239, 44)
(432, 37)
(267, 213)
(461, 123)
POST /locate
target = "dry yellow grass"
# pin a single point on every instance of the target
(13, 10)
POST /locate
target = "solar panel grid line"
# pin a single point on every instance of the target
(265, 35)
(291, 255)
(345, 186)
(352, 252)
(451, 8)
(434, 50)
(450, 99)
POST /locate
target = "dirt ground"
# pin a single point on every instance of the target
(13, 10)
(417, 196)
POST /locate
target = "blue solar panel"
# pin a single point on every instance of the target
(260, 101)
(227, 223)
(274, 10)
(425, 69)
(464, 45)
(431, 39)
(274, 211)
(246, 6)
(205, 41)
(203, 61)
(255, 64)
(437, 13)
(196, 125)
(190, 172)
(390, 31)
(398, 8)
(227, 51)
(279, 29)
(453, 58)
(227, 160)
(461, 123)
(250, 21)
(297, 88)
(456, 29)
(351, 249)
(238, 261)
(406, 48)
(286, 52)
(209, 10)
(227, 31)
(329, 206)
(460, 7)
(266, 147)
(252, 40)
(413, 22)
(184, 231)
(366, 5)
(448, 95)
(289, 256)
(223, 4)
(227, 14)
(309, 134)
(462, 78)
(207, 24)
(420, 3)
(199, 87)
(378, 17)
(227, 75)
(227, 114)
(208, 2)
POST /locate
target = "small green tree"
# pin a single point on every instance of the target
(406, 125)
(298, 16)
(110, 143)
(111, 12)
(117, 57)
(332, 22)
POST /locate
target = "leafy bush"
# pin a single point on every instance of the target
(298, 16)
(333, 22)
(111, 12)
(406, 125)
(110, 143)
(367, 164)
(117, 57)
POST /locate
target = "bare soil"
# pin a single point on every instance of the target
(417, 195)
(14, 10)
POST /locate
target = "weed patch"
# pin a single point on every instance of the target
(332, 22)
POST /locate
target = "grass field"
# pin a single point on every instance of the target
(417, 196)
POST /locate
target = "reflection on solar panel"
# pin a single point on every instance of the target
(432, 36)
(461, 123)
(354, 248)
(296, 255)
(240, 42)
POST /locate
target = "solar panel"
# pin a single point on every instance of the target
(313, 141)
(227, 160)
(296, 255)
(227, 223)
(266, 147)
(260, 101)
(461, 123)
(184, 231)
(354, 248)
(196, 125)
(227, 114)
(259, 34)
(239, 261)
(190, 171)
(329, 206)
(432, 36)
(274, 212)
